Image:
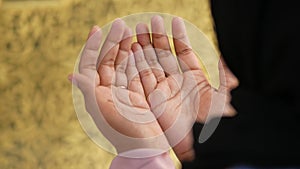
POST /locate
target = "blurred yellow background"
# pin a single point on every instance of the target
(39, 44)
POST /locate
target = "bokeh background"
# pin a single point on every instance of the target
(39, 44)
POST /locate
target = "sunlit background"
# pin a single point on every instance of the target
(39, 44)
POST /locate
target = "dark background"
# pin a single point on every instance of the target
(259, 40)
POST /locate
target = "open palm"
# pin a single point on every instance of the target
(178, 94)
(113, 92)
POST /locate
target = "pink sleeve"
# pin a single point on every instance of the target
(162, 161)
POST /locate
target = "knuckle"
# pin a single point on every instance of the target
(160, 77)
(135, 79)
(108, 62)
(186, 51)
(146, 73)
(121, 68)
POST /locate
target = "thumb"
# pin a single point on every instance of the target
(82, 82)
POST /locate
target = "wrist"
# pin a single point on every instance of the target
(160, 160)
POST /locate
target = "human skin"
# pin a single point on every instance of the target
(168, 97)
(182, 91)
(105, 86)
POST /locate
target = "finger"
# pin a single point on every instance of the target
(88, 60)
(109, 52)
(143, 35)
(147, 77)
(229, 110)
(227, 82)
(184, 149)
(230, 80)
(222, 76)
(122, 58)
(143, 38)
(134, 81)
(162, 46)
(82, 82)
(187, 58)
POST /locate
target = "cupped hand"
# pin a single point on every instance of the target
(113, 92)
(176, 88)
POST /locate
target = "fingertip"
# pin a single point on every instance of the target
(141, 28)
(178, 28)
(177, 20)
(117, 31)
(229, 111)
(127, 33)
(156, 19)
(94, 38)
(94, 29)
(70, 77)
(128, 30)
(157, 25)
(136, 47)
(118, 22)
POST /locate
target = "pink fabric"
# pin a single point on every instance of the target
(162, 161)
